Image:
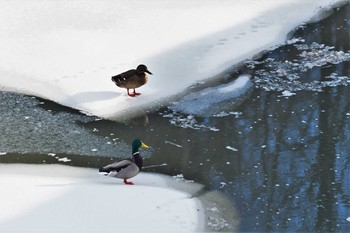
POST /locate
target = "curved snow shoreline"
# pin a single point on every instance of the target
(56, 198)
(67, 51)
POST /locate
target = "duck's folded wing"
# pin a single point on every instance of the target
(117, 166)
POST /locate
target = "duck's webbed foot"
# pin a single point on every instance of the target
(131, 94)
(136, 93)
(128, 182)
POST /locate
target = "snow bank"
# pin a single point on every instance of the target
(55, 198)
(66, 51)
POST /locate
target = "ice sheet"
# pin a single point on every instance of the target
(212, 100)
(66, 51)
(56, 198)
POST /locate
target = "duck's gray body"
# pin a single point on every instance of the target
(124, 169)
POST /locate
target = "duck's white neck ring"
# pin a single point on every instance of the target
(137, 152)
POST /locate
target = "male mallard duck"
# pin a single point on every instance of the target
(132, 79)
(126, 168)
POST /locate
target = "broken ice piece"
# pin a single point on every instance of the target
(288, 93)
(222, 184)
(65, 159)
(231, 148)
(172, 143)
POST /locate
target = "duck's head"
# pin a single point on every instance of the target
(142, 68)
(136, 144)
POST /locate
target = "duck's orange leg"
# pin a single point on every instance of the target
(132, 95)
(128, 182)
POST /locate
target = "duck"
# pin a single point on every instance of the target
(126, 168)
(132, 79)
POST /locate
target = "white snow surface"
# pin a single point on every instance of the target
(57, 198)
(67, 51)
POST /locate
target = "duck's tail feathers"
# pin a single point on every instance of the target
(103, 171)
(117, 79)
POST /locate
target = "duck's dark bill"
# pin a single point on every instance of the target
(147, 71)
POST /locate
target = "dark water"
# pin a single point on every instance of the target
(283, 159)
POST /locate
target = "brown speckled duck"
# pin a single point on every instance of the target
(132, 79)
(126, 168)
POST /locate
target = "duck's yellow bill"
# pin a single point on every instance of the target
(143, 145)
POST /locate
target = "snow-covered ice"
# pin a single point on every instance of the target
(57, 198)
(67, 51)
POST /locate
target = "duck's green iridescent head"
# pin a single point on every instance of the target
(136, 144)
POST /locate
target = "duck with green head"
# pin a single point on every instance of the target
(126, 168)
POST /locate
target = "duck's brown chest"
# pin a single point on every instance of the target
(136, 81)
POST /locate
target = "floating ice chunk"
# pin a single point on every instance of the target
(64, 159)
(348, 219)
(214, 209)
(222, 184)
(224, 114)
(221, 114)
(156, 165)
(51, 154)
(295, 40)
(214, 129)
(212, 100)
(217, 223)
(174, 144)
(186, 122)
(180, 177)
(3, 153)
(231, 148)
(239, 83)
(285, 75)
(288, 93)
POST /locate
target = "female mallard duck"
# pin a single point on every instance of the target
(126, 168)
(132, 79)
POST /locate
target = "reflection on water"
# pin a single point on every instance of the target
(282, 159)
